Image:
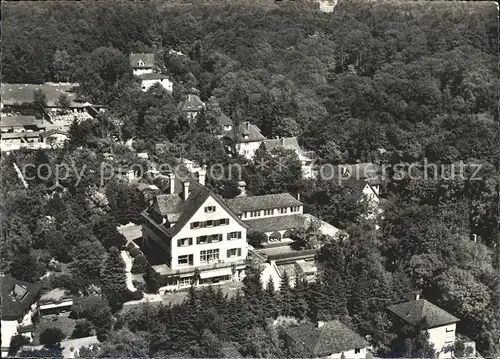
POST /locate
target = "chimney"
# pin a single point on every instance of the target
(282, 141)
(242, 187)
(171, 181)
(202, 173)
(417, 296)
(247, 126)
(185, 190)
(298, 196)
(320, 324)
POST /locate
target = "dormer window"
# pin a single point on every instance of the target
(227, 128)
(209, 209)
(140, 63)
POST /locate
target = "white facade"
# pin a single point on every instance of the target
(222, 246)
(351, 354)
(275, 212)
(442, 337)
(247, 149)
(142, 71)
(165, 83)
(12, 327)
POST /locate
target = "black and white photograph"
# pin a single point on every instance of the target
(250, 179)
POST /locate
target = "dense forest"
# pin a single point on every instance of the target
(385, 82)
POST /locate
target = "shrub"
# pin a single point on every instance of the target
(139, 285)
(129, 246)
(83, 328)
(137, 295)
(16, 342)
(134, 252)
(51, 336)
(139, 265)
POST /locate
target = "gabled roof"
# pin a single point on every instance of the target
(251, 132)
(331, 338)
(151, 76)
(148, 60)
(224, 120)
(415, 311)
(53, 132)
(18, 121)
(267, 201)
(184, 210)
(192, 103)
(17, 297)
(289, 143)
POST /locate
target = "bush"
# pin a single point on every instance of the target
(137, 295)
(139, 265)
(256, 239)
(83, 328)
(51, 336)
(139, 285)
(134, 252)
(129, 246)
(16, 342)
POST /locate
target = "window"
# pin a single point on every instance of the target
(234, 252)
(294, 209)
(195, 225)
(209, 239)
(448, 330)
(255, 214)
(268, 212)
(233, 235)
(224, 221)
(283, 210)
(209, 255)
(357, 351)
(209, 223)
(209, 209)
(184, 282)
(183, 242)
(185, 260)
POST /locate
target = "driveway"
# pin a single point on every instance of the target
(128, 268)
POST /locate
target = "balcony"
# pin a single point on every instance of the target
(164, 269)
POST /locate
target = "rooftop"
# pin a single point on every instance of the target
(247, 133)
(192, 103)
(268, 201)
(142, 60)
(18, 121)
(17, 297)
(415, 311)
(331, 338)
(19, 93)
(289, 143)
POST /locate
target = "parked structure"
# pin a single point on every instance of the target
(19, 309)
(441, 325)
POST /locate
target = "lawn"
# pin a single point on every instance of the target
(54, 321)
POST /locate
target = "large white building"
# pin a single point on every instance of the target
(144, 69)
(19, 309)
(192, 228)
(441, 325)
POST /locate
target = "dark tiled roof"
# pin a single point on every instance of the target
(17, 297)
(270, 224)
(289, 143)
(18, 121)
(268, 201)
(333, 337)
(147, 59)
(246, 128)
(415, 311)
(183, 211)
(224, 120)
(151, 76)
(192, 103)
(52, 132)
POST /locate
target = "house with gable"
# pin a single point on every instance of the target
(142, 63)
(246, 139)
(441, 325)
(192, 105)
(143, 68)
(191, 228)
(332, 340)
(19, 309)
